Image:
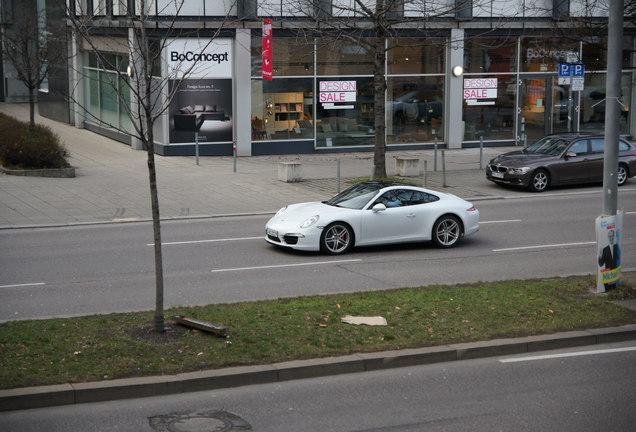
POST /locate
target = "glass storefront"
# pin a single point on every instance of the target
(106, 82)
(324, 91)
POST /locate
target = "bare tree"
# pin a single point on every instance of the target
(143, 92)
(27, 47)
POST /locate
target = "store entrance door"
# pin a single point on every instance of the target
(543, 108)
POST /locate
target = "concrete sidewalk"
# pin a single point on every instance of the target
(111, 182)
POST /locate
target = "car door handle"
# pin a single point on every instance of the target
(410, 215)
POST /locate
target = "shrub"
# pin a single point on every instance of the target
(23, 148)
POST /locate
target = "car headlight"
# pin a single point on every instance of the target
(281, 210)
(521, 170)
(309, 222)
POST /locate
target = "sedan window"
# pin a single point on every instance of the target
(598, 145)
(548, 146)
(579, 147)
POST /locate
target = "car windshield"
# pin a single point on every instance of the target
(548, 146)
(356, 197)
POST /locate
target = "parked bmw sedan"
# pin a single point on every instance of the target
(560, 159)
(373, 213)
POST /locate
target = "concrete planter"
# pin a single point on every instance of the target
(49, 172)
(407, 167)
(290, 172)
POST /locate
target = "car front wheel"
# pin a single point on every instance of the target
(336, 239)
(447, 231)
(623, 174)
(539, 181)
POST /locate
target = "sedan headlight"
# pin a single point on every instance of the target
(309, 222)
(521, 170)
(281, 210)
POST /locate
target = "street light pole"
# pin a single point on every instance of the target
(612, 107)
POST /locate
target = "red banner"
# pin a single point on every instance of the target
(268, 50)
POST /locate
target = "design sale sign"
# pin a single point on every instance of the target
(477, 91)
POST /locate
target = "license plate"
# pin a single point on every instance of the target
(497, 175)
(271, 232)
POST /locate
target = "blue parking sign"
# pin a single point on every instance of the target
(565, 70)
(578, 70)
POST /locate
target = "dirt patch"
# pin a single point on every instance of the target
(147, 332)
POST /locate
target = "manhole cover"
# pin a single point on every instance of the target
(199, 421)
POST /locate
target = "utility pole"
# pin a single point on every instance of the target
(612, 107)
(609, 224)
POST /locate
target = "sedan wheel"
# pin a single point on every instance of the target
(336, 239)
(539, 181)
(623, 174)
(447, 231)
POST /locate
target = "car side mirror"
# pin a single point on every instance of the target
(570, 155)
(378, 207)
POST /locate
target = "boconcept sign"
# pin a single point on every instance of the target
(199, 58)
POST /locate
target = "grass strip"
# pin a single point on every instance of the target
(90, 348)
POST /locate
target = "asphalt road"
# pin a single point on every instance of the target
(106, 268)
(587, 389)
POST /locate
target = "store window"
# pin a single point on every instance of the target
(342, 57)
(415, 109)
(344, 112)
(293, 56)
(595, 53)
(541, 54)
(416, 56)
(492, 121)
(593, 103)
(282, 109)
(107, 89)
(490, 54)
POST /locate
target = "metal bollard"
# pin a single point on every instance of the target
(424, 173)
(444, 168)
(337, 175)
(196, 146)
(435, 155)
(234, 155)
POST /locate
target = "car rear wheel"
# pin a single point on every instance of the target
(447, 231)
(623, 174)
(336, 239)
(539, 181)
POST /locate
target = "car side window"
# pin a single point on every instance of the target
(579, 147)
(423, 198)
(598, 145)
(391, 198)
(623, 146)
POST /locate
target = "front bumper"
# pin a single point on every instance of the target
(502, 176)
(293, 237)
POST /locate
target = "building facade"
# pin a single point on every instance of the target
(457, 73)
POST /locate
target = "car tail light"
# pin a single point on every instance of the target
(473, 208)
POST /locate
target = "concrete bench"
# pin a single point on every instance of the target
(290, 172)
(407, 167)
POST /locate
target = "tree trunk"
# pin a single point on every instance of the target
(31, 109)
(159, 322)
(379, 86)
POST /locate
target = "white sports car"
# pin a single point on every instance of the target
(373, 213)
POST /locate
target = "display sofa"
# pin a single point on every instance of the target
(191, 117)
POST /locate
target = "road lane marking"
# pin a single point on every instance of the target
(285, 265)
(207, 241)
(543, 246)
(572, 354)
(501, 221)
(23, 285)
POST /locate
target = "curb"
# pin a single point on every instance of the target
(68, 394)
(44, 172)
